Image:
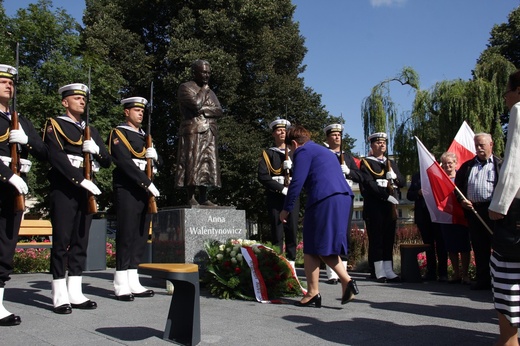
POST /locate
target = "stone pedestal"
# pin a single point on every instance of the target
(179, 234)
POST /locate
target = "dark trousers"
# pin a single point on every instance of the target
(133, 224)
(480, 241)
(381, 235)
(9, 227)
(436, 255)
(279, 230)
(70, 229)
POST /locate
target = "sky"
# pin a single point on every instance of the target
(354, 45)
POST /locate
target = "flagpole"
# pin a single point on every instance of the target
(473, 210)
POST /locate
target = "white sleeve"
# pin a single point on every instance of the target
(508, 186)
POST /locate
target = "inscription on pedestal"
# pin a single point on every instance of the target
(179, 234)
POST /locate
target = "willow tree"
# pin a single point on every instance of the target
(379, 113)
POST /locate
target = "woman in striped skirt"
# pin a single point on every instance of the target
(505, 209)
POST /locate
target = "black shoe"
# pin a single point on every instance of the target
(88, 305)
(125, 297)
(64, 309)
(349, 293)
(316, 300)
(381, 280)
(395, 280)
(332, 281)
(147, 293)
(480, 286)
(11, 320)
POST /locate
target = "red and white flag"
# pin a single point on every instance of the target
(438, 190)
(463, 144)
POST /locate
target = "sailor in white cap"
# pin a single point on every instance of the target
(12, 182)
(380, 197)
(334, 134)
(70, 219)
(274, 169)
(127, 145)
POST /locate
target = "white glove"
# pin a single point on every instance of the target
(19, 183)
(151, 153)
(90, 186)
(287, 164)
(89, 146)
(18, 136)
(153, 190)
(284, 191)
(392, 200)
(345, 169)
(391, 175)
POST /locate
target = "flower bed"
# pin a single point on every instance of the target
(228, 274)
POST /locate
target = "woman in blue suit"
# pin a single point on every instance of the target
(326, 214)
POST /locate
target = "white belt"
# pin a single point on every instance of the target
(25, 165)
(75, 161)
(382, 182)
(279, 179)
(141, 164)
(6, 160)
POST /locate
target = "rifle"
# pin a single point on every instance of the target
(287, 173)
(19, 198)
(341, 156)
(87, 157)
(390, 188)
(152, 204)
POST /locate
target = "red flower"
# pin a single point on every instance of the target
(237, 270)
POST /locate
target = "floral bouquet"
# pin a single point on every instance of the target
(228, 273)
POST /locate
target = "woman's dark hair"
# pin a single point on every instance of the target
(297, 133)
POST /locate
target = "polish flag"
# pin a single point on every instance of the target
(463, 144)
(438, 190)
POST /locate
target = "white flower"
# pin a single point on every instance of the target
(228, 249)
(236, 248)
(221, 247)
(233, 253)
(256, 249)
(220, 257)
(240, 257)
(234, 260)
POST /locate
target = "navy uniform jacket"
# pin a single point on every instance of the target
(125, 144)
(34, 146)
(269, 166)
(375, 196)
(65, 137)
(355, 173)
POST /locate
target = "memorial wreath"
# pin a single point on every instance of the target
(247, 270)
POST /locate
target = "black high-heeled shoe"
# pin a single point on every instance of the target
(349, 293)
(316, 300)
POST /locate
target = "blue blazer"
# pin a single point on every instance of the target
(316, 169)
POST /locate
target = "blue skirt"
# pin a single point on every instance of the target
(325, 226)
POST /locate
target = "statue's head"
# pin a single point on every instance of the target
(201, 71)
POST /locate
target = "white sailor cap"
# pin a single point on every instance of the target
(280, 123)
(73, 89)
(7, 71)
(132, 102)
(333, 128)
(377, 136)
